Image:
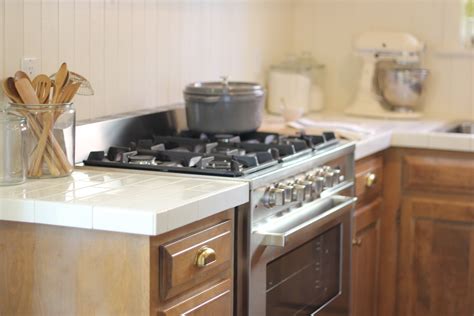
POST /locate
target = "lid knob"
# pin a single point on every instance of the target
(225, 81)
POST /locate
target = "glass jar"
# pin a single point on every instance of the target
(295, 84)
(13, 131)
(50, 140)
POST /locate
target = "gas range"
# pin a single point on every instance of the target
(294, 234)
(206, 154)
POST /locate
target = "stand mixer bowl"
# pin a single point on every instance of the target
(401, 88)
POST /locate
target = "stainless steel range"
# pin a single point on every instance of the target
(292, 238)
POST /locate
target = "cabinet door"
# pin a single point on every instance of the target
(436, 257)
(215, 301)
(365, 259)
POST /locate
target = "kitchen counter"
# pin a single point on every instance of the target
(141, 202)
(374, 135)
(123, 201)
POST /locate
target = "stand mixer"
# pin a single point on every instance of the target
(390, 85)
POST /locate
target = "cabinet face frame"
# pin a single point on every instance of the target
(366, 239)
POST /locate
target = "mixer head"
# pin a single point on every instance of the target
(398, 46)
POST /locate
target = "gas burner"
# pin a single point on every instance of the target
(218, 154)
(219, 164)
(229, 151)
(227, 138)
(142, 160)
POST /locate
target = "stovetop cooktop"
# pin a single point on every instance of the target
(220, 154)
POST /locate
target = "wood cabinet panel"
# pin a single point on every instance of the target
(436, 257)
(179, 270)
(365, 259)
(215, 301)
(369, 178)
(50, 270)
(443, 172)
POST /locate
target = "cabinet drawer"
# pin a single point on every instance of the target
(189, 261)
(216, 300)
(444, 172)
(368, 178)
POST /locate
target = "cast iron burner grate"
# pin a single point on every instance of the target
(223, 155)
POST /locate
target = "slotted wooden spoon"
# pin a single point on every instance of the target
(42, 86)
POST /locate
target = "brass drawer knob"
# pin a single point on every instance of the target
(205, 257)
(370, 179)
(357, 242)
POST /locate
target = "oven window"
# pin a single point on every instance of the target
(303, 280)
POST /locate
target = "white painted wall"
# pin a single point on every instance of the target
(141, 53)
(327, 28)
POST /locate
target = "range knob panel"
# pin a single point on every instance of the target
(302, 188)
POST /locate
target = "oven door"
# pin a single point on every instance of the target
(300, 262)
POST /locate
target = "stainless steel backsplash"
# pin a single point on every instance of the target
(100, 134)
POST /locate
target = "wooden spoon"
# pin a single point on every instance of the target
(61, 79)
(42, 86)
(69, 92)
(26, 91)
(10, 90)
(20, 75)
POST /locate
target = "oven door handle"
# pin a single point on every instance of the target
(278, 231)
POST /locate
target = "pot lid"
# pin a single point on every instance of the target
(224, 87)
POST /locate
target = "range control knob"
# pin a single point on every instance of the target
(299, 193)
(274, 197)
(328, 176)
(288, 187)
(319, 171)
(318, 186)
(308, 187)
(338, 176)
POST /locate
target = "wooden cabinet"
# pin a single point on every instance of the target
(215, 301)
(436, 258)
(427, 233)
(51, 270)
(192, 269)
(191, 260)
(366, 236)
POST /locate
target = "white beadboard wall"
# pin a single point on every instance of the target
(327, 28)
(141, 53)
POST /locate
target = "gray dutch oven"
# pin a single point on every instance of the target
(224, 107)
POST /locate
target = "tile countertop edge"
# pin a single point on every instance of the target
(159, 222)
(140, 220)
(420, 140)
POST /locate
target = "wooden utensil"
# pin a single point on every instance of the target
(61, 79)
(20, 75)
(42, 86)
(10, 90)
(26, 91)
(69, 92)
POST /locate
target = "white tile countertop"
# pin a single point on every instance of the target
(374, 135)
(124, 201)
(148, 203)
